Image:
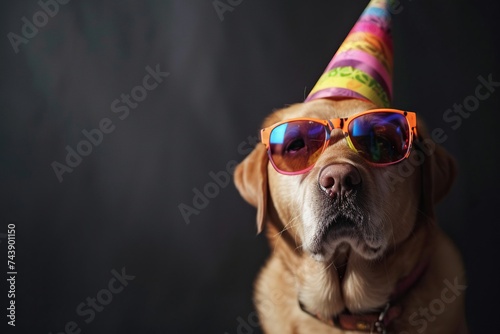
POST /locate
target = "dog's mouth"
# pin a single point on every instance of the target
(337, 228)
(343, 228)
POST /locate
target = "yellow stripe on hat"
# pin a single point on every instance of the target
(370, 49)
(355, 80)
(379, 4)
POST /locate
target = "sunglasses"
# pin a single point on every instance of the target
(381, 136)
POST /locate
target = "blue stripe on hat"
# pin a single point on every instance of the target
(382, 13)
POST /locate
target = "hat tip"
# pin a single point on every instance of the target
(362, 67)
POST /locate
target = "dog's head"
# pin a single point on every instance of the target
(344, 202)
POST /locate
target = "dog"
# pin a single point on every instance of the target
(372, 258)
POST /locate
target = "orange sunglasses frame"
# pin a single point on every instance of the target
(343, 124)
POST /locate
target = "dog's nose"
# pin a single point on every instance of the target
(339, 179)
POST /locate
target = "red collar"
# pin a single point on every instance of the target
(376, 322)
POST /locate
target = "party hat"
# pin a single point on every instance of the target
(362, 66)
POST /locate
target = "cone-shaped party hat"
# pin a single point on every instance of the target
(362, 67)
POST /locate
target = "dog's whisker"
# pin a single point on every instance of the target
(285, 228)
(328, 267)
(291, 224)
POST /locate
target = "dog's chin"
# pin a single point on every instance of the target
(342, 235)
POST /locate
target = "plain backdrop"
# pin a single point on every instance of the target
(119, 207)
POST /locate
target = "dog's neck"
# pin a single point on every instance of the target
(350, 282)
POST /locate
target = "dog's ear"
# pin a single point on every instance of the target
(438, 170)
(250, 178)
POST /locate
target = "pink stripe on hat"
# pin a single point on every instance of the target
(375, 30)
(334, 91)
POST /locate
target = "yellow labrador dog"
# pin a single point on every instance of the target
(355, 247)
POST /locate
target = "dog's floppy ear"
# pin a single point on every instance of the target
(250, 178)
(438, 170)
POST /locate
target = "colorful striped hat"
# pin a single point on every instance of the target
(362, 67)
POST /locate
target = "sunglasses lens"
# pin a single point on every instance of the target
(381, 138)
(296, 145)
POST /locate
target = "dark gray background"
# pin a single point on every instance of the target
(119, 207)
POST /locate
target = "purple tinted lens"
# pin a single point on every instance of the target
(381, 138)
(296, 145)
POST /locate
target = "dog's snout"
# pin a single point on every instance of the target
(339, 179)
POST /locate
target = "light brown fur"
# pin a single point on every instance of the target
(358, 279)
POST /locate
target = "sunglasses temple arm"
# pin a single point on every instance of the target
(415, 134)
(264, 137)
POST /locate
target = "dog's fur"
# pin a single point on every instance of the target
(390, 229)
